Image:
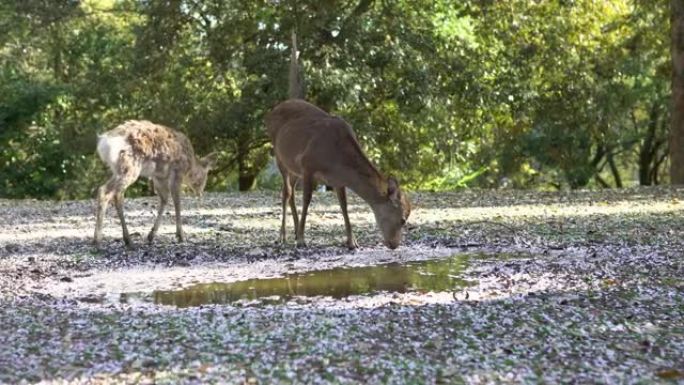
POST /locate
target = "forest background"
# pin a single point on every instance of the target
(444, 94)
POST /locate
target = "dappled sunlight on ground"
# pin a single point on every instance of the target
(230, 217)
(504, 213)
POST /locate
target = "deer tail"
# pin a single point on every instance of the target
(296, 88)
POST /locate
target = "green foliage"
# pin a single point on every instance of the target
(442, 94)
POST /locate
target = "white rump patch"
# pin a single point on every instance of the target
(109, 148)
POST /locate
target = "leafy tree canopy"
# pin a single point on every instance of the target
(443, 94)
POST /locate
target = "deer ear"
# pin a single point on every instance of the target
(210, 160)
(392, 189)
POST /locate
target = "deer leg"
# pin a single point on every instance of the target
(342, 197)
(118, 202)
(104, 194)
(307, 190)
(175, 194)
(123, 181)
(286, 196)
(162, 189)
(293, 208)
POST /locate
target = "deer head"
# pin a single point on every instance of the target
(196, 178)
(392, 214)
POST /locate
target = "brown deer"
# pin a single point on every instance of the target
(141, 148)
(310, 144)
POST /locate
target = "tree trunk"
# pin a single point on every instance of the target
(649, 148)
(246, 182)
(677, 127)
(246, 174)
(614, 170)
(655, 173)
(246, 177)
(600, 181)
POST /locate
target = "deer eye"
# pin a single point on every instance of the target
(403, 221)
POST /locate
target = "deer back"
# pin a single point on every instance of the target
(157, 149)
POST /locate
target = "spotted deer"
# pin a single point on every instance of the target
(141, 148)
(310, 144)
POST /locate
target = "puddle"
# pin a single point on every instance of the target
(423, 276)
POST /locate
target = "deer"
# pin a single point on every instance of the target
(310, 145)
(141, 148)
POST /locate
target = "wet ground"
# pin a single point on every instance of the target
(426, 276)
(582, 287)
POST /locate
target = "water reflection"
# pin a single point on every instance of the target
(441, 275)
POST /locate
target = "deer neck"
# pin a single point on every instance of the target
(193, 162)
(369, 184)
(192, 167)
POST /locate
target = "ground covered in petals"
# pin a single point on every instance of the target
(564, 287)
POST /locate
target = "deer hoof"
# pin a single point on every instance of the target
(352, 244)
(150, 238)
(301, 243)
